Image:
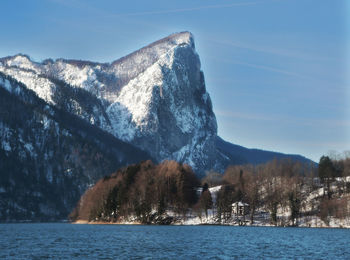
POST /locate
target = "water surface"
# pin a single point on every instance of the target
(67, 241)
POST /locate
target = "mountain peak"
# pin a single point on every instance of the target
(18, 60)
(153, 51)
(182, 38)
(173, 40)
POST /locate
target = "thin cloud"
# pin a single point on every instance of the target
(268, 68)
(285, 119)
(327, 146)
(70, 3)
(247, 116)
(304, 55)
(263, 49)
(182, 10)
(262, 67)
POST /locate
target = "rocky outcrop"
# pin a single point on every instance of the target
(154, 98)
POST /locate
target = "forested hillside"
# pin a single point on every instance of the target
(48, 157)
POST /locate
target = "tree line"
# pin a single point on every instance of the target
(285, 186)
(142, 190)
(284, 189)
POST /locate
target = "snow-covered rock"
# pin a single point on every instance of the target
(154, 98)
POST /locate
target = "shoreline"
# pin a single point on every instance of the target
(85, 222)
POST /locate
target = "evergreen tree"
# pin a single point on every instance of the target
(326, 174)
(205, 201)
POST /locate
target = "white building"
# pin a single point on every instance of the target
(240, 208)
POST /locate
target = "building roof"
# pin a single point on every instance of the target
(240, 204)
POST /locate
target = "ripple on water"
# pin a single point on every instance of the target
(40, 241)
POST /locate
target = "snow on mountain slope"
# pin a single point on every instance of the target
(21, 69)
(49, 157)
(154, 98)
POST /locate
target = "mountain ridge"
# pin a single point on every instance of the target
(242, 155)
(131, 94)
(147, 95)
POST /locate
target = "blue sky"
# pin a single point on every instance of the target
(277, 70)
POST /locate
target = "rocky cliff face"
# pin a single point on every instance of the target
(49, 157)
(154, 98)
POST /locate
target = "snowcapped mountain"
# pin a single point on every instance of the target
(154, 98)
(64, 124)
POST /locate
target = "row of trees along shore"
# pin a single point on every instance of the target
(146, 191)
(137, 190)
(286, 185)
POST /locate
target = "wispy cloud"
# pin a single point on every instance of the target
(84, 5)
(261, 67)
(285, 119)
(77, 4)
(182, 10)
(261, 48)
(240, 115)
(325, 147)
(272, 50)
(129, 17)
(268, 68)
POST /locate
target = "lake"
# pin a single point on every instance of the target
(67, 241)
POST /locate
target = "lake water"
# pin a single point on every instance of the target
(67, 241)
